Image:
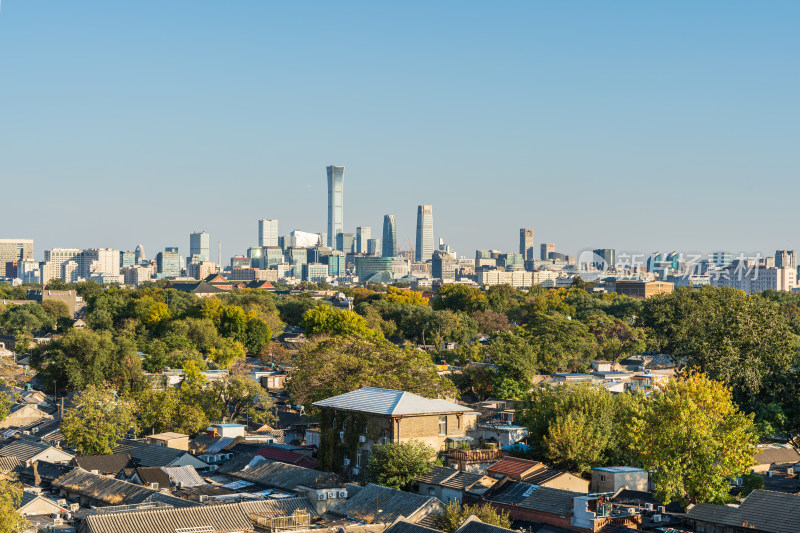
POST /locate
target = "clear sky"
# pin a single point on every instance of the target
(637, 125)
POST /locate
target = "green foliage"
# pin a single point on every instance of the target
(163, 410)
(19, 320)
(326, 319)
(462, 298)
(226, 352)
(10, 498)
(454, 515)
(694, 439)
(398, 464)
(5, 404)
(97, 420)
(616, 339)
(751, 482)
(335, 365)
(405, 297)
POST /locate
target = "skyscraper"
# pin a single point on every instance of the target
(199, 247)
(12, 250)
(267, 232)
(389, 236)
(140, 255)
(424, 250)
(547, 248)
(785, 259)
(363, 234)
(526, 243)
(335, 203)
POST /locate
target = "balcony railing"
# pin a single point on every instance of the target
(475, 455)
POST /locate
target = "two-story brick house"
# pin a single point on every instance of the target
(352, 423)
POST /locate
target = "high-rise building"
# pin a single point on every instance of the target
(98, 261)
(547, 249)
(526, 243)
(363, 234)
(443, 266)
(605, 258)
(335, 203)
(786, 259)
(267, 232)
(140, 255)
(424, 250)
(389, 248)
(373, 246)
(14, 250)
(127, 259)
(344, 242)
(199, 247)
(273, 255)
(168, 263)
(54, 261)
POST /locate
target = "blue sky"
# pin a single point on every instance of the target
(635, 125)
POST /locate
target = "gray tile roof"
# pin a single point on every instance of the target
(534, 497)
(404, 526)
(762, 510)
(11, 464)
(283, 475)
(474, 525)
(438, 475)
(148, 454)
(23, 449)
(451, 478)
(111, 491)
(187, 476)
(223, 517)
(105, 464)
(389, 402)
(777, 455)
(462, 480)
(382, 504)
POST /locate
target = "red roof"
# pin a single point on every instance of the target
(284, 456)
(514, 467)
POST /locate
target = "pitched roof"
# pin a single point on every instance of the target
(11, 464)
(389, 402)
(285, 456)
(105, 464)
(187, 476)
(383, 504)
(283, 475)
(148, 454)
(534, 497)
(404, 526)
(438, 475)
(153, 474)
(25, 449)
(112, 491)
(776, 512)
(222, 517)
(514, 467)
(197, 287)
(777, 455)
(474, 525)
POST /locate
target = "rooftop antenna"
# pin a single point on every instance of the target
(219, 256)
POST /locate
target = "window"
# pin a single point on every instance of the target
(443, 425)
(431, 491)
(602, 478)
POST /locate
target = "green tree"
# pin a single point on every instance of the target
(97, 420)
(694, 439)
(19, 320)
(335, 365)
(246, 399)
(226, 352)
(162, 410)
(616, 339)
(398, 464)
(457, 297)
(454, 515)
(326, 319)
(257, 334)
(10, 498)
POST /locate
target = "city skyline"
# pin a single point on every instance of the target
(559, 118)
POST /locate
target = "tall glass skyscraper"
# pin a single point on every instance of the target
(199, 246)
(424, 250)
(268, 232)
(526, 243)
(389, 236)
(335, 203)
(363, 234)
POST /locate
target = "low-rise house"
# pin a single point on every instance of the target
(537, 473)
(145, 454)
(96, 490)
(378, 504)
(613, 478)
(30, 451)
(474, 461)
(775, 457)
(232, 517)
(450, 484)
(647, 382)
(284, 456)
(761, 512)
(152, 477)
(24, 414)
(360, 419)
(106, 465)
(178, 441)
(183, 476)
(33, 503)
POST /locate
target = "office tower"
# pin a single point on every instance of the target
(373, 246)
(127, 259)
(786, 259)
(367, 266)
(526, 243)
(511, 261)
(140, 256)
(344, 242)
(363, 234)
(303, 239)
(267, 232)
(272, 256)
(389, 248)
(424, 250)
(721, 259)
(168, 263)
(256, 255)
(604, 256)
(199, 247)
(443, 266)
(14, 250)
(54, 261)
(98, 261)
(335, 203)
(547, 249)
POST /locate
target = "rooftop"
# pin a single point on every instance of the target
(389, 402)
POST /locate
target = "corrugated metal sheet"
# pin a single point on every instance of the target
(283, 475)
(382, 504)
(389, 402)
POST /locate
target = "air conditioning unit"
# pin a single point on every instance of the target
(738, 482)
(648, 507)
(94, 471)
(656, 518)
(62, 503)
(154, 486)
(343, 494)
(203, 498)
(58, 521)
(661, 509)
(34, 430)
(362, 438)
(341, 434)
(346, 461)
(74, 507)
(331, 495)
(356, 471)
(322, 496)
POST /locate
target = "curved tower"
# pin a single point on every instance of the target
(389, 248)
